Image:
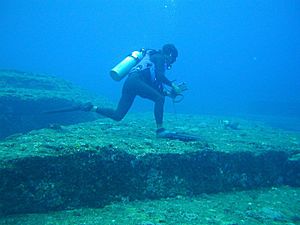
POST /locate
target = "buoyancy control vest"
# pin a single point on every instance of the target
(146, 64)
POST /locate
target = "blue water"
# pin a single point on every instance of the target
(237, 57)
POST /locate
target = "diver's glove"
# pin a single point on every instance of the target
(175, 93)
(178, 88)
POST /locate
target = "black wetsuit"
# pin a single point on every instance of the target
(140, 83)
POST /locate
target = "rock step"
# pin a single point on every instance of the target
(97, 178)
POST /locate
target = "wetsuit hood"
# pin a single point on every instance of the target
(170, 52)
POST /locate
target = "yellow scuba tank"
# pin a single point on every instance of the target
(122, 69)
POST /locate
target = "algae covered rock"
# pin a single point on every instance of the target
(25, 97)
(96, 163)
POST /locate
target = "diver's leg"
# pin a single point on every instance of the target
(122, 109)
(146, 91)
(124, 104)
(159, 112)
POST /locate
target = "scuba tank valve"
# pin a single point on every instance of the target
(122, 69)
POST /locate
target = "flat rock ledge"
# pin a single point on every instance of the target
(96, 163)
(24, 97)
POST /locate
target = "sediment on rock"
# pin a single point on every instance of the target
(97, 178)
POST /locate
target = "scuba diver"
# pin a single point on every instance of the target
(147, 80)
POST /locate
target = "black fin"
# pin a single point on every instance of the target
(69, 109)
(181, 136)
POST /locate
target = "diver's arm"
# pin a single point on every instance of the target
(160, 76)
(160, 70)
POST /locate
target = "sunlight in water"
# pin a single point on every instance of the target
(170, 5)
(170, 8)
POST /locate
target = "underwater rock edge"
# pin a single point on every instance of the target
(95, 179)
(25, 97)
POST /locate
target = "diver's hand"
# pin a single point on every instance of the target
(178, 88)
